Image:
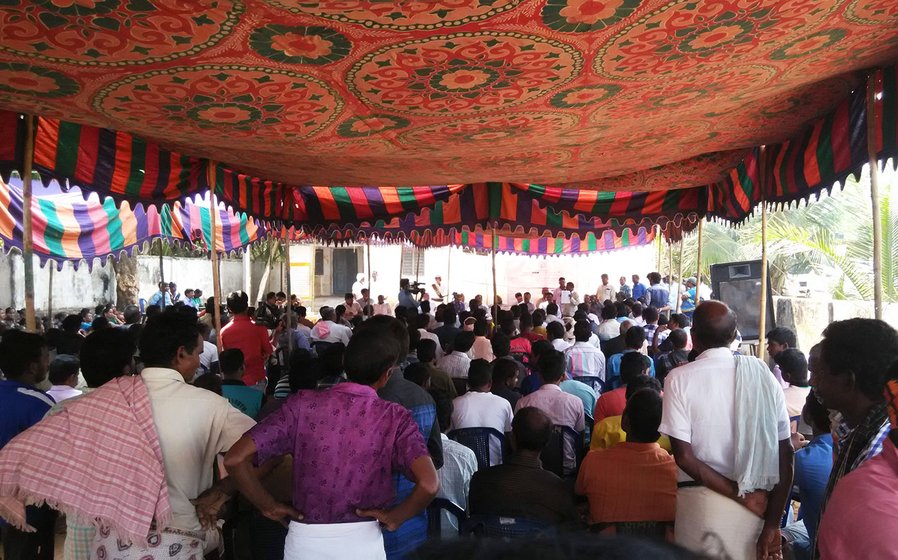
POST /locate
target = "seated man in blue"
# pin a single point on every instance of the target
(634, 339)
(245, 399)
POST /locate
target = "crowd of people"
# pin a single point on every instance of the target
(379, 432)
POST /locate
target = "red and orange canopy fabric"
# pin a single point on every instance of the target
(591, 107)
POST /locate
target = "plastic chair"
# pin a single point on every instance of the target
(435, 515)
(552, 457)
(478, 440)
(597, 383)
(321, 347)
(660, 530)
(494, 526)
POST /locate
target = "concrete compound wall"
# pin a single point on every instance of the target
(809, 316)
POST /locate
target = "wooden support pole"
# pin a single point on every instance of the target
(670, 271)
(368, 258)
(762, 328)
(28, 232)
(698, 263)
(213, 251)
(495, 237)
(162, 274)
(872, 102)
(289, 313)
(680, 272)
(660, 247)
(448, 275)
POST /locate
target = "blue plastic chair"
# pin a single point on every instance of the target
(552, 456)
(597, 383)
(435, 516)
(478, 440)
(507, 528)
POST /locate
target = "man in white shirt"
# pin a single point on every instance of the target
(326, 330)
(583, 359)
(555, 333)
(382, 307)
(701, 401)
(457, 362)
(563, 409)
(606, 290)
(530, 306)
(479, 408)
(353, 307)
(570, 300)
(459, 466)
(552, 314)
(64, 377)
(556, 293)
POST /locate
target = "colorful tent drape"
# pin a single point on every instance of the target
(69, 227)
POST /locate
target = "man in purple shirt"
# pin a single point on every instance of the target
(346, 443)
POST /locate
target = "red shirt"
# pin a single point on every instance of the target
(611, 403)
(251, 339)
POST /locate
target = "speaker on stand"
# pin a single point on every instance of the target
(738, 284)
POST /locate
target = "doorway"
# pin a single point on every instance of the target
(344, 269)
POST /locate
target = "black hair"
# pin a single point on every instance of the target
(503, 370)
(331, 359)
(815, 414)
(152, 310)
(480, 327)
(555, 330)
(105, 354)
(637, 309)
(582, 331)
(540, 347)
(238, 302)
(417, 373)
(539, 317)
(643, 382)
(18, 350)
(463, 341)
(449, 315)
(783, 335)
(654, 278)
(397, 331)
(444, 408)
(501, 344)
(230, 361)
(85, 311)
(552, 309)
(525, 322)
(678, 338)
(551, 366)
(480, 374)
(340, 310)
(422, 321)
(71, 323)
(506, 325)
(650, 314)
(643, 412)
(63, 368)
(634, 338)
(164, 334)
(609, 312)
(681, 319)
(427, 350)
(794, 366)
(99, 323)
(531, 429)
(425, 307)
(302, 374)
(132, 314)
(209, 382)
(632, 365)
(371, 352)
(270, 295)
(348, 295)
(865, 347)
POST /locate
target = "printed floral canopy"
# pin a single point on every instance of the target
(563, 100)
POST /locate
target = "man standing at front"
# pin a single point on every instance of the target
(727, 421)
(606, 290)
(251, 339)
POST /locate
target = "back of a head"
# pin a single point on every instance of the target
(539, 317)
(63, 368)
(392, 326)
(164, 334)
(632, 365)
(463, 341)
(238, 302)
(643, 382)
(713, 325)
(622, 309)
(637, 309)
(480, 327)
(506, 325)
(303, 374)
(480, 374)
(580, 315)
(230, 361)
(552, 309)
(794, 366)
(650, 314)
(551, 366)
(71, 323)
(501, 344)
(503, 371)
(105, 355)
(783, 336)
(678, 338)
(555, 330)
(643, 413)
(634, 338)
(331, 359)
(18, 350)
(540, 348)
(865, 347)
(654, 278)
(422, 321)
(449, 316)
(370, 354)
(526, 321)
(99, 323)
(531, 429)
(609, 312)
(443, 402)
(418, 374)
(681, 319)
(131, 314)
(582, 331)
(427, 350)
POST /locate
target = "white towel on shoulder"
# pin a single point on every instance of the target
(758, 402)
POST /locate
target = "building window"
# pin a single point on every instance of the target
(319, 262)
(412, 262)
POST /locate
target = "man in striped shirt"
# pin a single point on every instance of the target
(584, 359)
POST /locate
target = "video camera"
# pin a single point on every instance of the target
(417, 288)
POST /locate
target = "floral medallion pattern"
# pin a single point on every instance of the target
(463, 73)
(475, 133)
(581, 16)
(114, 32)
(370, 125)
(300, 45)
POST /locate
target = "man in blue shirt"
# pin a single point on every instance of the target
(639, 289)
(658, 295)
(634, 338)
(162, 298)
(813, 464)
(406, 297)
(25, 360)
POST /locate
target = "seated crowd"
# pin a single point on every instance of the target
(371, 435)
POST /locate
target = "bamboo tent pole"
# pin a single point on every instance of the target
(660, 247)
(289, 310)
(670, 271)
(213, 253)
(368, 259)
(762, 328)
(448, 272)
(698, 263)
(680, 272)
(50, 266)
(874, 194)
(28, 231)
(495, 240)
(162, 274)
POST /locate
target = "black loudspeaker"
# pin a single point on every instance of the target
(738, 284)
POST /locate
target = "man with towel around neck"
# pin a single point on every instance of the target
(727, 421)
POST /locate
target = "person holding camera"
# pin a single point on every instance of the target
(407, 295)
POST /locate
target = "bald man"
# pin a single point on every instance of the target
(727, 421)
